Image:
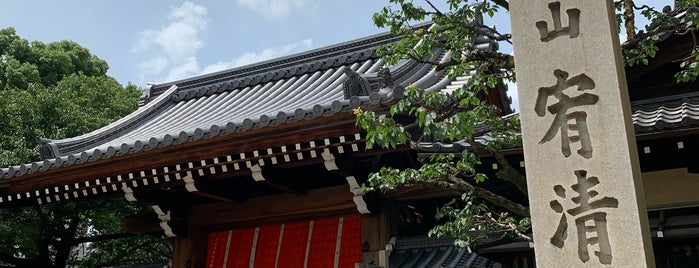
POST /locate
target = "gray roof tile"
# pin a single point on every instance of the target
(666, 112)
(298, 87)
(657, 114)
(423, 251)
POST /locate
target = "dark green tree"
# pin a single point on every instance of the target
(59, 90)
(457, 116)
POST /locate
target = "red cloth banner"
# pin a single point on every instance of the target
(267, 244)
(323, 243)
(240, 248)
(351, 246)
(293, 251)
(216, 249)
(294, 242)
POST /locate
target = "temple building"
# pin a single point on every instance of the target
(262, 165)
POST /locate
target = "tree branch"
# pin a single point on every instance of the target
(633, 42)
(629, 19)
(119, 258)
(463, 186)
(503, 3)
(438, 12)
(497, 59)
(646, 7)
(508, 172)
(42, 245)
(509, 226)
(99, 238)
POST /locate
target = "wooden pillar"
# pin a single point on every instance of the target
(190, 251)
(377, 230)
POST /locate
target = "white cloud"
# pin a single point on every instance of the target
(173, 48)
(254, 57)
(175, 44)
(154, 65)
(274, 9)
(183, 70)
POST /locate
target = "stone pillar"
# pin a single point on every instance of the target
(583, 175)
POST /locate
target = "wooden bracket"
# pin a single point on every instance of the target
(257, 173)
(164, 218)
(128, 193)
(329, 161)
(358, 197)
(189, 182)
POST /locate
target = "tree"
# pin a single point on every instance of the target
(59, 90)
(456, 117)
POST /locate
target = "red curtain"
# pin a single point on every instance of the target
(216, 249)
(240, 248)
(293, 249)
(323, 243)
(351, 246)
(267, 244)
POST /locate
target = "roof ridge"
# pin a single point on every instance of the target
(274, 72)
(660, 101)
(50, 148)
(317, 58)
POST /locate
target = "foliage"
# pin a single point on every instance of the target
(458, 116)
(25, 63)
(75, 105)
(642, 44)
(60, 90)
(57, 235)
(118, 248)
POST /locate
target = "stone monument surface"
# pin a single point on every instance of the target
(583, 174)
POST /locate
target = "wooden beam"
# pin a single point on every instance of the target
(218, 190)
(142, 224)
(282, 187)
(156, 196)
(318, 203)
(270, 177)
(213, 196)
(345, 165)
(320, 128)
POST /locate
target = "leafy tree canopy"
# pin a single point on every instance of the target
(24, 63)
(59, 90)
(455, 117)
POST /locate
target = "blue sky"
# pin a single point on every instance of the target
(163, 40)
(159, 41)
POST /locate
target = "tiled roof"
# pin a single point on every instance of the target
(657, 114)
(666, 112)
(304, 86)
(424, 251)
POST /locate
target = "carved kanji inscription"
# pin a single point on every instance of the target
(560, 111)
(590, 218)
(572, 30)
(578, 122)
